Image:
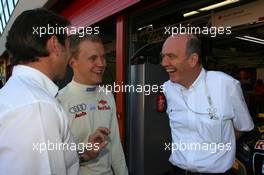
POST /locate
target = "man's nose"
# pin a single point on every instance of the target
(164, 61)
(101, 62)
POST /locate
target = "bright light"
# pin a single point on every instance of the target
(210, 7)
(190, 13)
(145, 27)
(214, 6)
(251, 40)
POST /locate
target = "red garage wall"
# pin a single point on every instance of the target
(88, 12)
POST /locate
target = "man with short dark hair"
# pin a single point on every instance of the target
(88, 107)
(34, 134)
(205, 109)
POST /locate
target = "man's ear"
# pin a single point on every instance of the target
(53, 45)
(72, 62)
(194, 59)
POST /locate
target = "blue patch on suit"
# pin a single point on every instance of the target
(91, 89)
(91, 107)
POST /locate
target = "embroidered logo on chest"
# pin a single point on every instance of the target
(80, 114)
(78, 108)
(103, 105)
(92, 107)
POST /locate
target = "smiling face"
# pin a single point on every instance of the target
(174, 59)
(89, 65)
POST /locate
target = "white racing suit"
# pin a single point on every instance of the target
(88, 108)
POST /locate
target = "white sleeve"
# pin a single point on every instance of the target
(242, 120)
(30, 136)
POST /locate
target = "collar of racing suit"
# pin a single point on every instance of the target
(86, 89)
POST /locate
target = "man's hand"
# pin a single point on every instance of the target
(99, 142)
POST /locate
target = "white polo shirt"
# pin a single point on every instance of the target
(31, 117)
(201, 143)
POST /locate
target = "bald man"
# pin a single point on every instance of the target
(205, 108)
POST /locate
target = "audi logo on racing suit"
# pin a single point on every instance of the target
(78, 108)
